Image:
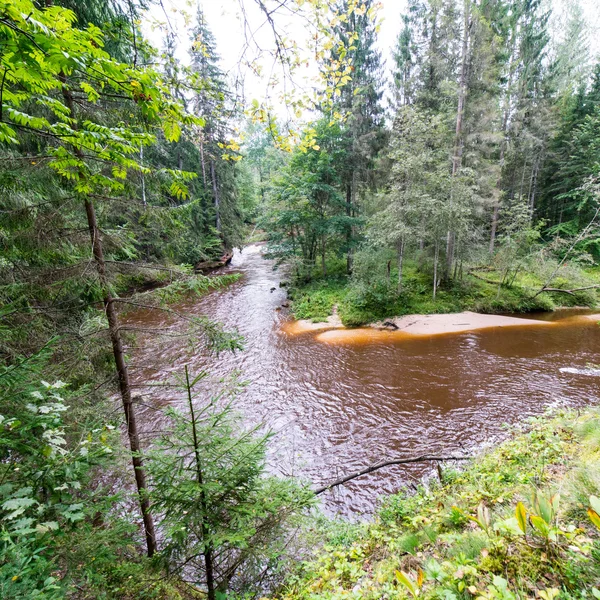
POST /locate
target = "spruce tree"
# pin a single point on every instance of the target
(213, 102)
(359, 102)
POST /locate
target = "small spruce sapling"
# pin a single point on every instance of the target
(224, 521)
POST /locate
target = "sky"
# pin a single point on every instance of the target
(226, 22)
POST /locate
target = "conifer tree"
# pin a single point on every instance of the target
(359, 103)
(214, 103)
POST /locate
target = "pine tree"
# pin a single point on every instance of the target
(571, 64)
(223, 518)
(530, 117)
(407, 54)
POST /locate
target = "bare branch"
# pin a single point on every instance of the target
(387, 463)
(571, 292)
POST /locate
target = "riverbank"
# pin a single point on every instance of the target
(516, 523)
(356, 303)
(415, 325)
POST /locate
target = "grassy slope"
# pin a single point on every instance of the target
(316, 299)
(432, 533)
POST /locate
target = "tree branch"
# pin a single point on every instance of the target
(571, 292)
(484, 279)
(387, 463)
(560, 264)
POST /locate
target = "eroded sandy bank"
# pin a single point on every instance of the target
(304, 325)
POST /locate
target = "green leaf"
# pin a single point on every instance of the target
(595, 503)
(540, 524)
(17, 506)
(42, 528)
(510, 527)
(544, 508)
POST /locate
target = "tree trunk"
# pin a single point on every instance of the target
(115, 338)
(533, 186)
(217, 199)
(522, 180)
(450, 242)
(207, 551)
(323, 265)
(400, 261)
(435, 267)
(458, 136)
(202, 159)
(495, 215)
(349, 199)
(503, 145)
(462, 91)
(143, 177)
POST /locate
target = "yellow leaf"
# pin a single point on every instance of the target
(521, 514)
(594, 517)
(404, 579)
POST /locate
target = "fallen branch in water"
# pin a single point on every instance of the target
(387, 463)
(571, 292)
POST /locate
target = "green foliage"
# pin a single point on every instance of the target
(223, 518)
(492, 531)
(316, 300)
(44, 472)
(307, 217)
(369, 296)
(196, 285)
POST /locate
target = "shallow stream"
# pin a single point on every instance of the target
(339, 406)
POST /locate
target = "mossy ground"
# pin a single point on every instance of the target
(461, 540)
(365, 302)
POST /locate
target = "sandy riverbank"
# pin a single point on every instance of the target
(304, 325)
(452, 323)
(410, 325)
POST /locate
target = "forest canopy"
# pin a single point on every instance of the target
(464, 173)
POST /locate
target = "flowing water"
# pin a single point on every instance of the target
(338, 407)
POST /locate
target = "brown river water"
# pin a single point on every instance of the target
(338, 407)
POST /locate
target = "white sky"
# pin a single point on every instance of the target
(225, 21)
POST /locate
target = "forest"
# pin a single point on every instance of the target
(458, 170)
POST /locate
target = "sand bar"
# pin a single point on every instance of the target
(332, 330)
(304, 325)
(594, 317)
(453, 323)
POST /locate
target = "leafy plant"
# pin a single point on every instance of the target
(412, 585)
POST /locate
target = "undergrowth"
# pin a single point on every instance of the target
(362, 301)
(519, 522)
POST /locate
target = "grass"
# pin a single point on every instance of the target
(462, 539)
(362, 302)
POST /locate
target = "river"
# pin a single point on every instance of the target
(336, 408)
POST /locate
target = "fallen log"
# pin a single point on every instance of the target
(484, 279)
(387, 463)
(209, 265)
(571, 292)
